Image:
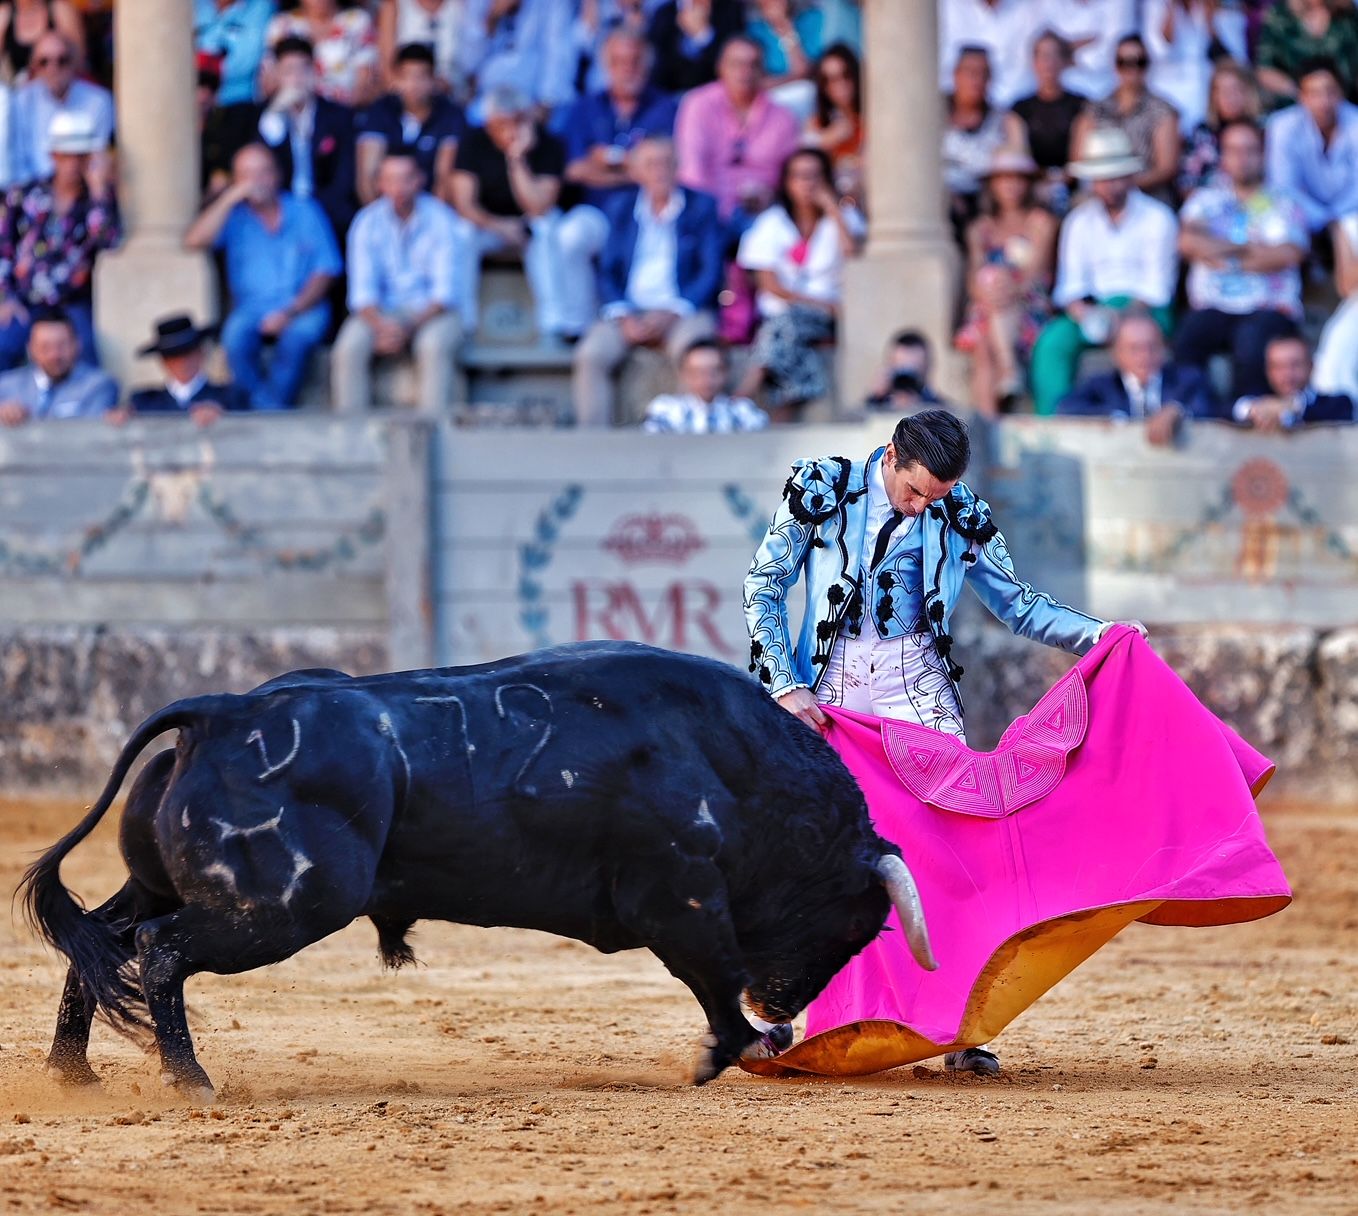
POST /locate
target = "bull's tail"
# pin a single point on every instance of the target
(90, 942)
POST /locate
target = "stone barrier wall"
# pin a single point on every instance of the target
(147, 564)
(70, 696)
(1293, 693)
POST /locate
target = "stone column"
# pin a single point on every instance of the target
(907, 275)
(151, 273)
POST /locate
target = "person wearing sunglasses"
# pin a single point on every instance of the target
(836, 123)
(24, 22)
(52, 89)
(1090, 28)
(1151, 123)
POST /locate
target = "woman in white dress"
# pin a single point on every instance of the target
(796, 251)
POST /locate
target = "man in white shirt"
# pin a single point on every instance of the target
(403, 251)
(1312, 147)
(1005, 28)
(1117, 248)
(53, 88)
(659, 274)
(703, 407)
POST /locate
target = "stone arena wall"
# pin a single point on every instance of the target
(155, 562)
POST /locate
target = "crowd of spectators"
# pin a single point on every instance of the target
(1183, 166)
(687, 175)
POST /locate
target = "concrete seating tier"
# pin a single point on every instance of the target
(511, 377)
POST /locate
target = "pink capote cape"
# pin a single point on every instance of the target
(1119, 797)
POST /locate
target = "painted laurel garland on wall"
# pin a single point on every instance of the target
(67, 560)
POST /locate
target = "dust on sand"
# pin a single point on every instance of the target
(1179, 1070)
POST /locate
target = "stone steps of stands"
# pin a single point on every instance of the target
(511, 377)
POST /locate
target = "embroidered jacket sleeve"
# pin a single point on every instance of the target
(1028, 612)
(810, 496)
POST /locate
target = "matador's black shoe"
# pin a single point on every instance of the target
(975, 1060)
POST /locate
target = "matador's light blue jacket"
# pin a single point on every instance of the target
(817, 533)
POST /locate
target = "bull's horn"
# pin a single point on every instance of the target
(900, 885)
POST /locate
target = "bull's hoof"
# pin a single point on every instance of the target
(712, 1062)
(781, 1034)
(72, 1073)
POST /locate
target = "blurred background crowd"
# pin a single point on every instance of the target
(1154, 203)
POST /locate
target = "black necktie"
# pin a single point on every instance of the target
(884, 537)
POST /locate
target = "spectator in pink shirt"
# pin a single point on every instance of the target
(731, 138)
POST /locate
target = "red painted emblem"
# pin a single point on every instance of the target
(1260, 487)
(663, 539)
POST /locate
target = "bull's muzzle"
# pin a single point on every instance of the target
(900, 885)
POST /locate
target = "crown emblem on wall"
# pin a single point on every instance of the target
(669, 539)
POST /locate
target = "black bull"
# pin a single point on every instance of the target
(609, 792)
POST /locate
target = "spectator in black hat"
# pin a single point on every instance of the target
(186, 390)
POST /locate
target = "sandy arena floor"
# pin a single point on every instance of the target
(1180, 1070)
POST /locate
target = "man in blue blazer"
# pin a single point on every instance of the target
(311, 137)
(883, 547)
(1142, 386)
(53, 384)
(1291, 400)
(659, 274)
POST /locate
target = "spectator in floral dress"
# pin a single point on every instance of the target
(50, 233)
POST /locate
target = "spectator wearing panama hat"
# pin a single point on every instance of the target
(1117, 248)
(186, 389)
(51, 232)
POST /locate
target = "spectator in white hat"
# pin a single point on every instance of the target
(1117, 248)
(50, 233)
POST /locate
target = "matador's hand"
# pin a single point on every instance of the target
(802, 704)
(1137, 625)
